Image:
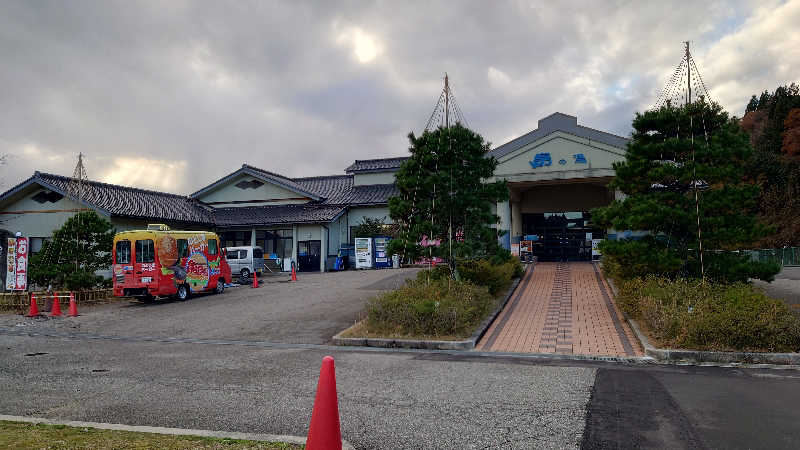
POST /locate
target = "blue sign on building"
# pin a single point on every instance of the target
(541, 160)
(579, 158)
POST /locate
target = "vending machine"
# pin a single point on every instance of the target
(382, 259)
(363, 253)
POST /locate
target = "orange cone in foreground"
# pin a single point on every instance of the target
(255, 280)
(55, 311)
(73, 305)
(34, 311)
(324, 432)
(294, 274)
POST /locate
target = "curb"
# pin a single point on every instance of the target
(467, 344)
(699, 356)
(299, 440)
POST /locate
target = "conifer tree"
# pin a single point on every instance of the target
(86, 238)
(444, 182)
(677, 152)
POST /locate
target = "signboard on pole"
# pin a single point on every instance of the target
(17, 264)
(11, 264)
(22, 264)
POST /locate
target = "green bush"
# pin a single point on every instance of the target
(436, 308)
(496, 277)
(482, 272)
(711, 316)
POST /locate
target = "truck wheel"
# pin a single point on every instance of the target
(245, 273)
(220, 286)
(183, 292)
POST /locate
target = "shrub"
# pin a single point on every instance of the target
(496, 277)
(711, 316)
(436, 308)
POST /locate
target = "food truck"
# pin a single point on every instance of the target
(159, 262)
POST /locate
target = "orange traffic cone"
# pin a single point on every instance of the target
(55, 311)
(255, 280)
(73, 305)
(324, 432)
(34, 311)
(294, 274)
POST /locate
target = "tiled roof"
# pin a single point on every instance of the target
(339, 190)
(333, 189)
(376, 165)
(559, 122)
(125, 201)
(274, 215)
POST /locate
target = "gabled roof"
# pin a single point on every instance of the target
(263, 175)
(376, 165)
(276, 215)
(122, 201)
(559, 122)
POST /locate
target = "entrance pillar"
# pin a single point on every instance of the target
(323, 248)
(504, 212)
(516, 214)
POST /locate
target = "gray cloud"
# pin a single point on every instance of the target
(172, 95)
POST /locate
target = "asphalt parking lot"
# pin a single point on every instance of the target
(310, 311)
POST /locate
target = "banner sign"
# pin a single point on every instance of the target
(11, 264)
(17, 264)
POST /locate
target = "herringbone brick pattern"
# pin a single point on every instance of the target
(562, 308)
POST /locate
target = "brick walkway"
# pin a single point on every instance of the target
(562, 308)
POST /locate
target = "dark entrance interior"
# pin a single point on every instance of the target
(563, 236)
(308, 255)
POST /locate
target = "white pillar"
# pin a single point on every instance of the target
(253, 237)
(323, 248)
(504, 212)
(294, 243)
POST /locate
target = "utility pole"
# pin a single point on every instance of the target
(688, 74)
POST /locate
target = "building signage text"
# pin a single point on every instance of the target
(545, 159)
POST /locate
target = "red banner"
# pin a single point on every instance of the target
(21, 280)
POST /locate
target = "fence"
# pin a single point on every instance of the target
(786, 257)
(20, 301)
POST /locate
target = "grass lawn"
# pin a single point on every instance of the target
(22, 435)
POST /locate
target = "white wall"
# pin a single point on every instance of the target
(364, 179)
(268, 194)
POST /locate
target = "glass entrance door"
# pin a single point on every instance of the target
(562, 236)
(308, 255)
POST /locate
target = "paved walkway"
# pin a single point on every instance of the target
(562, 308)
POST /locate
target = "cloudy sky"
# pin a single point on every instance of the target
(171, 95)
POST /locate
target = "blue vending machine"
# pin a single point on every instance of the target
(382, 258)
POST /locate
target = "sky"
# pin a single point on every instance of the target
(172, 95)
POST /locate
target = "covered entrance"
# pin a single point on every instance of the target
(561, 236)
(556, 175)
(308, 256)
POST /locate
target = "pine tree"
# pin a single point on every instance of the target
(667, 158)
(86, 238)
(444, 182)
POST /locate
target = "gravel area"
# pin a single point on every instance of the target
(310, 311)
(785, 287)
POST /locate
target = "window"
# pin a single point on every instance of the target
(275, 242)
(183, 248)
(242, 254)
(123, 253)
(36, 244)
(233, 254)
(258, 253)
(145, 251)
(212, 246)
(235, 238)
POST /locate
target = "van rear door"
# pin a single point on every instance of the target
(144, 266)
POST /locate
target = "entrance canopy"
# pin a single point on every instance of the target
(556, 174)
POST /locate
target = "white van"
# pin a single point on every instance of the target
(245, 260)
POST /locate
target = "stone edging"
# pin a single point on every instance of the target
(699, 356)
(467, 344)
(298, 440)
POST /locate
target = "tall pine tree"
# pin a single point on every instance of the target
(444, 182)
(673, 149)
